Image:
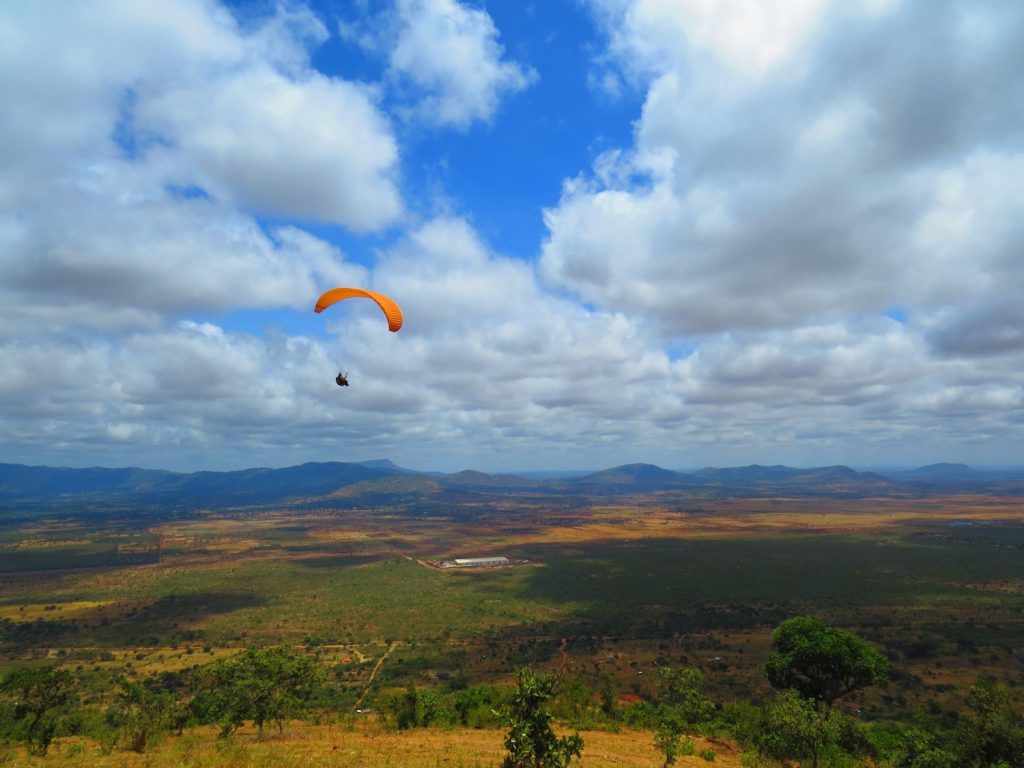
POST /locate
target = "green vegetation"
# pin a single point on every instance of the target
(655, 627)
(531, 741)
(683, 707)
(259, 685)
(140, 713)
(822, 663)
(269, 685)
(37, 695)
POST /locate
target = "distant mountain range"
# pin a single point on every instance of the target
(381, 479)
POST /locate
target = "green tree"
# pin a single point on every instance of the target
(434, 709)
(795, 728)
(992, 730)
(262, 685)
(140, 713)
(682, 706)
(531, 741)
(920, 749)
(680, 689)
(404, 707)
(39, 693)
(610, 697)
(821, 662)
(574, 704)
(479, 706)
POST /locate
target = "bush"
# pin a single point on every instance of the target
(642, 715)
(531, 742)
(741, 720)
(477, 707)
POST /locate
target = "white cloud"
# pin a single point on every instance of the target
(492, 371)
(188, 93)
(793, 178)
(445, 57)
(815, 193)
(747, 37)
(316, 149)
(90, 261)
(849, 165)
(142, 141)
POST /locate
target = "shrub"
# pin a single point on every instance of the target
(531, 742)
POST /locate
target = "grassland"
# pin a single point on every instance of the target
(622, 589)
(335, 746)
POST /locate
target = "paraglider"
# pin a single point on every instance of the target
(391, 311)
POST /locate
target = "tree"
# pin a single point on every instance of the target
(419, 708)
(476, 706)
(821, 662)
(531, 742)
(795, 728)
(140, 712)
(682, 706)
(262, 685)
(575, 703)
(920, 749)
(38, 693)
(992, 730)
(404, 707)
(610, 697)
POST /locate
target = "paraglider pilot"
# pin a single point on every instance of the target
(391, 311)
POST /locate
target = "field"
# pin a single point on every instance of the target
(613, 590)
(332, 746)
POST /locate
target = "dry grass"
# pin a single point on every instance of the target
(366, 746)
(50, 611)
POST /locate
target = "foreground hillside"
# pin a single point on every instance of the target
(365, 746)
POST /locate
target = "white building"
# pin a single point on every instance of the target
(476, 562)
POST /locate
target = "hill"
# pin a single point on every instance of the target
(831, 480)
(382, 481)
(470, 478)
(248, 486)
(636, 477)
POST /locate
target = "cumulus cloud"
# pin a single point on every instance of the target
(446, 58)
(493, 371)
(204, 103)
(314, 150)
(488, 367)
(88, 261)
(834, 173)
(142, 143)
(807, 254)
(810, 171)
(746, 36)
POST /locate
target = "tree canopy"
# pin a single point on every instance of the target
(821, 662)
(38, 692)
(262, 685)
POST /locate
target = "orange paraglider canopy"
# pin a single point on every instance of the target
(391, 310)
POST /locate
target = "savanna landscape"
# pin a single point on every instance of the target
(499, 384)
(606, 589)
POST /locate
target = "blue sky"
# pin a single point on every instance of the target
(688, 233)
